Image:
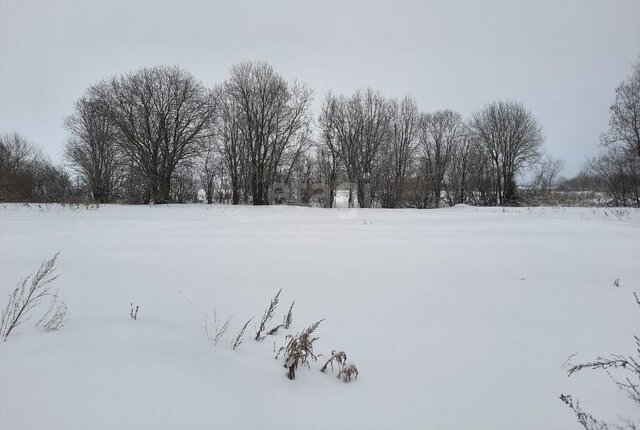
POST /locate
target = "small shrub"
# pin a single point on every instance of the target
(348, 372)
(298, 350)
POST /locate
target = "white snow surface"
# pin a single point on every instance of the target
(457, 318)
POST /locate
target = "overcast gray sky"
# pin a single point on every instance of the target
(562, 58)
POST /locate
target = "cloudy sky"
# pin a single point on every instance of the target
(562, 58)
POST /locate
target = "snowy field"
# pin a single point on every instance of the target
(457, 318)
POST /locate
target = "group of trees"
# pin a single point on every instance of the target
(617, 169)
(133, 135)
(26, 175)
(159, 135)
(398, 156)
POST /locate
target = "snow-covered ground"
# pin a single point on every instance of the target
(457, 318)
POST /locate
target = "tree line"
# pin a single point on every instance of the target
(616, 170)
(159, 135)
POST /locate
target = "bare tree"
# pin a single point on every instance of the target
(624, 120)
(231, 144)
(209, 168)
(273, 117)
(618, 167)
(51, 183)
(161, 117)
(329, 147)
(400, 150)
(461, 174)
(92, 151)
(546, 173)
(18, 159)
(26, 175)
(184, 183)
(440, 132)
(512, 138)
(373, 115)
(360, 125)
(620, 174)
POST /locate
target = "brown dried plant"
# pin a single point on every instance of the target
(340, 357)
(348, 372)
(298, 350)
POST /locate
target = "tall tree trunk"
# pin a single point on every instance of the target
(209, 194)
(362, 199)
(164, 190)
(235, 192)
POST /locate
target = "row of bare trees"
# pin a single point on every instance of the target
(402, 157)
(159, 135)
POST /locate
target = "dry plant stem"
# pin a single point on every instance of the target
(240, 337)
(340, 357)
(630, 364)
(58, 319)
(219, 329)
(267, 316)
(286, 322)
(134, 312)
(53, 305)
(587, 421)
(274, 330)
(288, 318)
(615, 365)
(27, 294)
